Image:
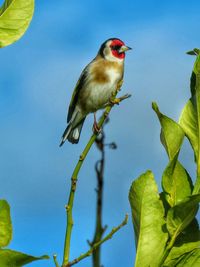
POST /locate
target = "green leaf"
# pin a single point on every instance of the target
(179, 252)
(183, 230)
(176, 183)
(189, 123)
(172, 134)
(148, 220)
(194, 52)
(11, 258)
(5, 224)
(190, 117)
(190, 234)
(15, 17)
(191, 259)
(187, 241)
(164, 202)
(181, 215)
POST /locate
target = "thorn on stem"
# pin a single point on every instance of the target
(67, 207)
(106, 114)
(89, 243)
(81, 158)
(105, 228)
(55, 260)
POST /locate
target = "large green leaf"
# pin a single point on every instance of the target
(176, 182)
(5, 224)
(190, 116)
(15, 16)
(148, 220)
(11, 258)
(181, 215)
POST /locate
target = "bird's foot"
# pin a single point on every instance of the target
(115, 101)
(96, 129)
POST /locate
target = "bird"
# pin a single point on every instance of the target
(97, 82)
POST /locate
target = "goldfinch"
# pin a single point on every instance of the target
(95, 86)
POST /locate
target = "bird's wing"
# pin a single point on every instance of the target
(75, 94)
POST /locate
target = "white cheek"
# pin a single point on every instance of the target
(109, 56)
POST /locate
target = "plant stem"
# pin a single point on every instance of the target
(96, 245)
(55, 260)
(74, 179)
(99, 230)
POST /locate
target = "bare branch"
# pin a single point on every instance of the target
(96, 245)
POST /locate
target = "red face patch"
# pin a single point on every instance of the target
(115, 46)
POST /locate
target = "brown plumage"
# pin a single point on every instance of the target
(99, 69)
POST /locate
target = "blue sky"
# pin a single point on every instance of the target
(38, 74)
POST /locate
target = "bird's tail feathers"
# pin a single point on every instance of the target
(66, 133)
(72, 134)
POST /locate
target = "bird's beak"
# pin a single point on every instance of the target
(124, 48)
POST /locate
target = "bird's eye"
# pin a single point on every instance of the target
(115, 47)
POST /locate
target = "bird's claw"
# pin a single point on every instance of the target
(96, 129)
(125, 97)
(115, 101)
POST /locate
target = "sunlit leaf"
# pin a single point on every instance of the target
(172, 134)
(190, 117)
(5, 224)
(13, 258)
(148, 219)
(15, 17)
(176, 182)
(189, 122)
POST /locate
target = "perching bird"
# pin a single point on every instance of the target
(95, 86)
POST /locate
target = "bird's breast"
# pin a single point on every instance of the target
(98, 90)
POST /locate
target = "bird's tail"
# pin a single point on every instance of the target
(72, 134)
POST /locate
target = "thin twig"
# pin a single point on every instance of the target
(99, 229)
(96, 245)
(74, 179)
(55, 260)
(99, 168)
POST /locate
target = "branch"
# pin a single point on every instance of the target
(99, 168)
(55, 260)
(74, 178)
(96, 245)
(99, 229)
